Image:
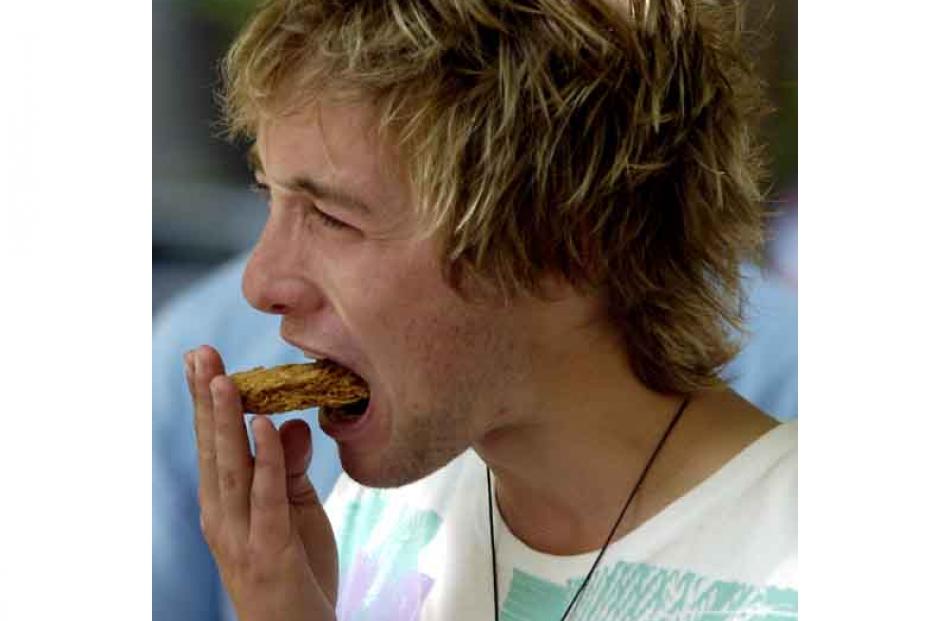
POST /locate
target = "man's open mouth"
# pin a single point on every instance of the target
(346, 395)
(347, 413)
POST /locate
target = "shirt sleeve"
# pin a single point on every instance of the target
(185, 584)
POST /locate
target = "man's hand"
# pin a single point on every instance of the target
(261, 517)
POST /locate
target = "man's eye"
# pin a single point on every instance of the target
(328, 221)
(263, 190)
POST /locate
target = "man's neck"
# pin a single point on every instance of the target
(564, 470)
(566, 460)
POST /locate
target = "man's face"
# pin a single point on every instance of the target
(340, 259)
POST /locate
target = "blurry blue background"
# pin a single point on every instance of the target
(202, 213)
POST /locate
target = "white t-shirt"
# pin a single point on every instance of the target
(725, 551)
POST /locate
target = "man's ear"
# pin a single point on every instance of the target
(555, 287)
(581, 308)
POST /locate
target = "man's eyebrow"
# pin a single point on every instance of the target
(309, 186)
(328, 193)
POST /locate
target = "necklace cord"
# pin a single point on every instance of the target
(603, 549)
(491, 529)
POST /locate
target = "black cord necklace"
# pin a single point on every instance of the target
(633, 492)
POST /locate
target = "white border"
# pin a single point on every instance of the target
(872, 284)
(74, 263)
(75, 227)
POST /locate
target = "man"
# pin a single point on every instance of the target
(522, 224)
(185, 582)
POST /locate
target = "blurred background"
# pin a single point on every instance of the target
(203, 213)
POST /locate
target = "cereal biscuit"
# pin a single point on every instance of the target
(290, 387)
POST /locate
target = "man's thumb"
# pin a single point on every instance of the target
(298, 449)
(311, 521)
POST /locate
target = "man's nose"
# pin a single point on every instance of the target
(276, 279)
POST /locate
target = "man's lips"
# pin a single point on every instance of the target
(334, 421)
(316, 354)
(346, 429)
(313, 353)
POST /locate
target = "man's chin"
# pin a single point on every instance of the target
(382, 471)
(373, 471)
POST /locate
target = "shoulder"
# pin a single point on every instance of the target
(739, 523)
(716, 427)
(766, 369)
(214, 311)
(212, 295)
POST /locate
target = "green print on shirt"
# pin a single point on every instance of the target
(358, 524)
(406, 538)
(640, 592)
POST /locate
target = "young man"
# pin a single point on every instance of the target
(522, 223)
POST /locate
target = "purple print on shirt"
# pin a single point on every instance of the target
(379, 573)
(397, 599)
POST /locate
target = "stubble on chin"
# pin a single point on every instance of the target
(424, 446)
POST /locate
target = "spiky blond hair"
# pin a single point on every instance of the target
(610, 143)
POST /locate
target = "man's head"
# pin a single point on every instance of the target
(505, 151)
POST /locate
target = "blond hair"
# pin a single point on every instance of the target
(610, 144)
